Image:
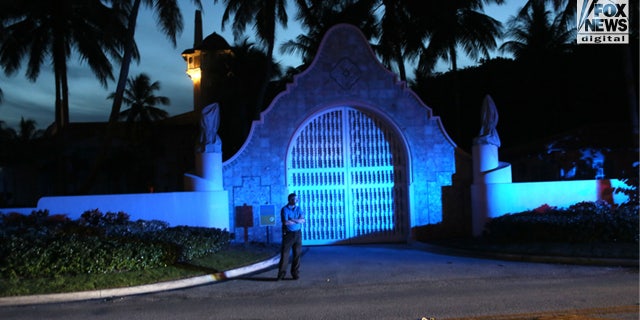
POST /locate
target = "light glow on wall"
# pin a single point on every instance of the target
(195, 74)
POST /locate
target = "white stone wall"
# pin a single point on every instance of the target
(201, 209)
(496, 199)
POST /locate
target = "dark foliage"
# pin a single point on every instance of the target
(574, 100)
(585, 222)
(535, 101)
(39, 245)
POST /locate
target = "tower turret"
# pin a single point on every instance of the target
(207, 64)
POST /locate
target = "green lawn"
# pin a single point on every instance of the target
(237, 255)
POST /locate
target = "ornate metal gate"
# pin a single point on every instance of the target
(348, 169)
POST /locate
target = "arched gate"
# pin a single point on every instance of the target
(349, 170)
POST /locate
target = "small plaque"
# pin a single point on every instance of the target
(244, 216)
(268, 215)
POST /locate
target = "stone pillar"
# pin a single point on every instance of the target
(488, 172)
(208, 174)
(209, 197)
(209, 168)
(485, 158)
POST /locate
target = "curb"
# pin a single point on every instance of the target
(142, 289)
(587, 261)
(263, 265)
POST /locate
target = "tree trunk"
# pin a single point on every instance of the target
(117, 99)
(265, 84)
(60, 136)
(400, 61)
(457, 104)
(126, 63)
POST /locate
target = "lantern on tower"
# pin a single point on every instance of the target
(207, 62)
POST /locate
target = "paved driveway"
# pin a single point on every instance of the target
(380, 282)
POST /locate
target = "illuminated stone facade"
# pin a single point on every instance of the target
(368, 158)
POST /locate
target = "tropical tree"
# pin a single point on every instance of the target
(28, 130)
(566, 10)
(451, 27)
(394, 36)
(139, 96)
(7, 133)
(239, 93)
(317, 17)
(455, 25)
(536, 34)
(265, 15)
(22, 146)
(7, 141)
(628, 54)
(38, 30)
(541, 42)
(403, 33)
(169, 19)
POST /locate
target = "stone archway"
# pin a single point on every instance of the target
(306, 131)
(348, 168)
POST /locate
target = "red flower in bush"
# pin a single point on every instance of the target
(543, 208)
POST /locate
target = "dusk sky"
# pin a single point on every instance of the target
(159, 59)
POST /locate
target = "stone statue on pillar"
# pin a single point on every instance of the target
(488, 171)
(488, 133)
(209, 141)
(208, 154)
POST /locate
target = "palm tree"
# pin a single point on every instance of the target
(536, 36)
(402, 33)
(319, 16)
(7, 133)
(539, 38)
(7, 141)
(169, 19)
(28, 130)
(566, 8)
(627, 53)
(542, 44)
(38, 30)
(140, 97)
(265, 15)
(394, 35)
(449, 27)
(457, 24)
(239, 93)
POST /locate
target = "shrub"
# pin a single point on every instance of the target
(41, 246)
(77, 255)
(585, 222)
(194, 242)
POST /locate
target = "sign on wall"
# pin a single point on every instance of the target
(267, 215)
